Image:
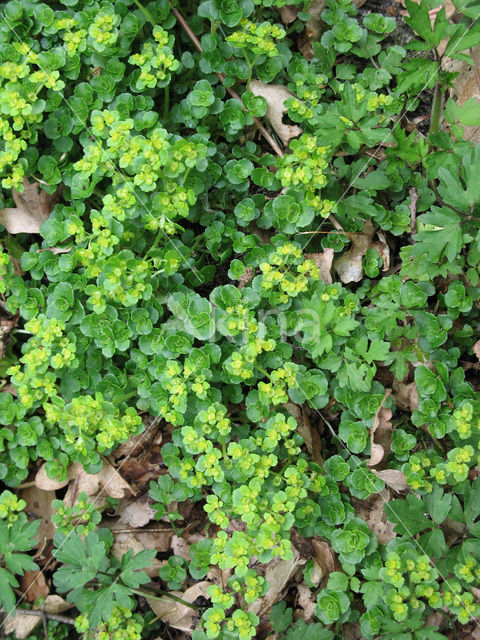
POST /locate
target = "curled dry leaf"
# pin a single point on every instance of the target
(405, 395)
(288, 13)
(349, 266)
(134, 512)
(476, 349)
(309, 434)
(6, 326)
(380, 433)
(277, 574)
(246, 277)
(39, 503)
(275, 96)
(324, 556)
(22, 625)
(324, 263)
(34, 585)
(33, 207)
(107, 482)
(393, 478)
(306, 601)
(136, 445)
(373, 512)
(178, 615)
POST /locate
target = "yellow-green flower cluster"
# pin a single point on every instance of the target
(466, 421)
(306, 164)
(287, 272)
(280, 380)
(103, 30)
(122, 625)
(47, 350)
(242, 362)
(156, 61)
(10, 506)
(258, 38)
(87, 417)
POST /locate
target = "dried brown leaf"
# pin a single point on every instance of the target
(277, 574)
(39, 503)
(275, 96)
(288, 13)
(135, 512)
(476, 349)
(405, 395)
(136, 445)
(42, 481)
(6, 326)
(34, 585)
(349, 266)
(33, 208)
(324, 555)
(324, 263)
(393, 478)
(309, 434)
(306, 600)
(246, 277)
(140, 540)
(107, 482)
(178, 615)
(372, 511)
(380, 433)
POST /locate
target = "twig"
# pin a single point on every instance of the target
(44, 620)
(45, 614)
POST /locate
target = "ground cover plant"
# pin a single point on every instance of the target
(239, 321)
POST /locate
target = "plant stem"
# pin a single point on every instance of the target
(165, 594)
(146, 13)
(436, 109)
(166, 104)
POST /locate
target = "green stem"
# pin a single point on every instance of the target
(165, 594)
(436, 109)
(166, 104)
(146, 13)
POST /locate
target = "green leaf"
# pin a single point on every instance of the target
(409, 514)
(280, 616)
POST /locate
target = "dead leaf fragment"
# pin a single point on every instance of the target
(135, 512)
(324, 555)
(288, 13)
(34, 585)
(380, 433)
(39, 503)
(178, 615)
(275, 96)
(393, 478)
(140, 540)
(324, 263)
(405, 395)
(476, 349)
(349, 266)
(107, 482)
(277, 574)
(373, 512)
(306, 600)
(34, 206)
